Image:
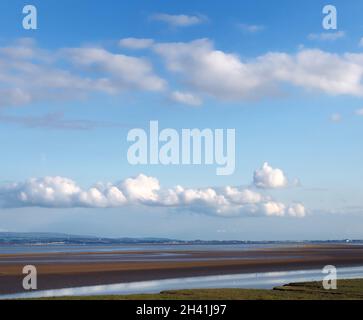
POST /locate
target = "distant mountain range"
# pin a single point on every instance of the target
(60, 238)
(45, 237)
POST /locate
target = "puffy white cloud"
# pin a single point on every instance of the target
(186, 98)
(268, 177)
(48, 191)
(29, 74)
(178, 20)
(210, 71)
(141, 188)
(24, 82)
(318, 70)
(107, 197)
(227, 76)
(59, 192)
(122, 71)
(244, 196)
(296, 210)
(136, 43)
(272, 208)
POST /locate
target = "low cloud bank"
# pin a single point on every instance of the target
(142, 190)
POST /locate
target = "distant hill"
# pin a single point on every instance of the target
(57, 238)
(38, 235)
(45, 237)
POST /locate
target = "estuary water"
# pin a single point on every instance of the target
(265, 280)
(63, 248)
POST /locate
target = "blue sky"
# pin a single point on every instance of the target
(72, 89)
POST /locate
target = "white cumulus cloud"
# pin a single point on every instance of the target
(60, 192)
(122, 71)
(226, 76)
(141, 188)
(29, 74)
(268, 177)
(297, 210)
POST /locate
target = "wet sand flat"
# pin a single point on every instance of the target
(63, 270)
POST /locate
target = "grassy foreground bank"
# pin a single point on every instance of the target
(347, 289)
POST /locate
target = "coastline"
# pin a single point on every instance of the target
(348, 289)
(68, 270)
